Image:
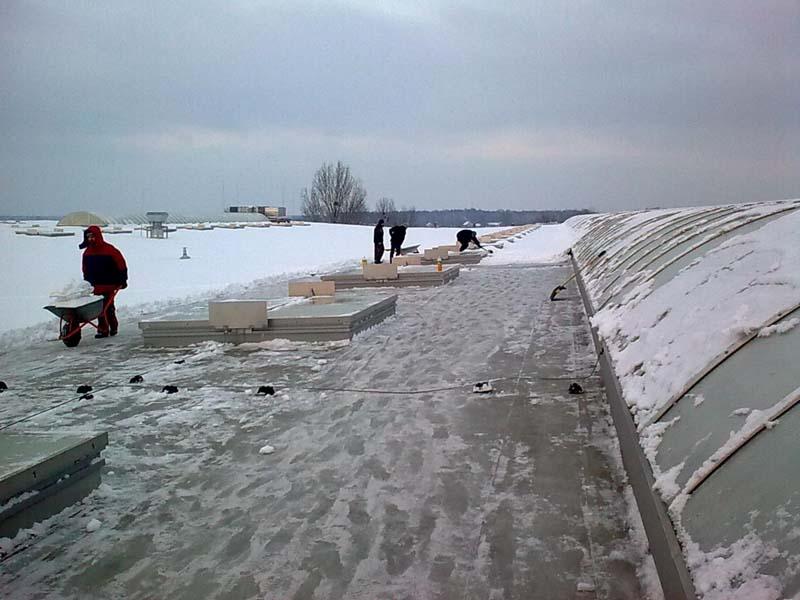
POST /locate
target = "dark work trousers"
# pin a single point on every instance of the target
(379, 253)
(107, 321)
(464, 246)
(395, 251)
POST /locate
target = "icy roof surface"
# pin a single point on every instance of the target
(373, 472)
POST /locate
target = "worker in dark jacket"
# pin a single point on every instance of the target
(105, 269)
(465, 237)
(397, 235)
(377, 239)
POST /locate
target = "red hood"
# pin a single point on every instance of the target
(98, 238)
(98, 233)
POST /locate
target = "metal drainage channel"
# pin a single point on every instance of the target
(676, 582)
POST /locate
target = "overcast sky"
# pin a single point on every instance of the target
(179, 105)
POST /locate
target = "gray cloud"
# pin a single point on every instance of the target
(127, 105)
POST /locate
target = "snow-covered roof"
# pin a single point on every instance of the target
(699, 309)
(85, 218)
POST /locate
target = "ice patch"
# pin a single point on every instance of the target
(93, 525)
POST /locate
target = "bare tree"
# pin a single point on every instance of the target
(385, 207)
(408, 215)
(336, 196)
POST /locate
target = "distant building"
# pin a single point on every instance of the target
(270, 212)
(155, 227)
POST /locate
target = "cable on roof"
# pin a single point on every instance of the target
(563, 286)
(269, 390)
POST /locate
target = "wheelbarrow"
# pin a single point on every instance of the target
(74, 315)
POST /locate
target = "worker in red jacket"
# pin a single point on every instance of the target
(105, 269)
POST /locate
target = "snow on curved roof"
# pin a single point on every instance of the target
(699, 309)
(83, 218)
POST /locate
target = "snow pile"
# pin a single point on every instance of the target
(93, 525)
(781, 327)
(72, 291)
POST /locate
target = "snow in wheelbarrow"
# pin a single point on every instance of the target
(74, 315)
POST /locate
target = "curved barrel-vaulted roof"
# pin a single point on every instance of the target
(84, 219)
(699, 309)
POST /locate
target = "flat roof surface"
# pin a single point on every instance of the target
(389, 477)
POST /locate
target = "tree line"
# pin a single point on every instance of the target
(337, 196)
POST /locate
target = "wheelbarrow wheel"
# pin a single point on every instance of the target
(70, 334)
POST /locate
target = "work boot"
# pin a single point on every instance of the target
(112, 333)
(100, 335)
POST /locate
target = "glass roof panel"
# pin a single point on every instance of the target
(681, 243)
(756, 377)
(598, 236)
(648, 242)
(670, 271)
(637, 236)
(643, 240)
(753, 501)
